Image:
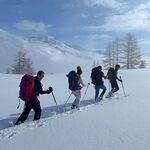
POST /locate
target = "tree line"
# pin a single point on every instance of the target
(120, 51)
(125, 52)
(22, 64)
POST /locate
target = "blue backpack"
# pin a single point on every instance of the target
(73, 80)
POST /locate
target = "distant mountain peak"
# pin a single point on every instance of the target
(45, 51)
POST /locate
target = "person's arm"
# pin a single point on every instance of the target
(40, 89)
(104, 76)
(118, 78)
(81, 81)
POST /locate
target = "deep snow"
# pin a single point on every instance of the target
(121, 123)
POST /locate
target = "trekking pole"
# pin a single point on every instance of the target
(55, 101)
(109, 85)
(123, 87)
(85, 91)
(68, 98)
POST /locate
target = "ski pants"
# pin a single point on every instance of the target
(77, 94)
(114, 86)
(97, 89)
(35, 105)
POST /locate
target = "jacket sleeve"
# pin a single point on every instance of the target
(116, 76)
(81, 81)
(40, 89)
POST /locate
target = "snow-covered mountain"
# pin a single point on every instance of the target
(46, 53)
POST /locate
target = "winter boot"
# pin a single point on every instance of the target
(73, 106)
(100, 98)
(19, 122)
(109, 95)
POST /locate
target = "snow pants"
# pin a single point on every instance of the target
(77, 94)
(35, 105)
(114, 86)
(97, 89)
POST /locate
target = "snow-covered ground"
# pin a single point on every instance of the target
(121, 123)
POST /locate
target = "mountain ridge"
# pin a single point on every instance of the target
(45, 52)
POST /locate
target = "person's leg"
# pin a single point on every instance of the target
(116, 87)
(110, 94)
(97, 88)
(112, 85)
(74, 102)
(77, 94)
(103, 87)
(37, 109)
(25, 113)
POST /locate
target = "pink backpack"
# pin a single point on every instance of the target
(26, 87)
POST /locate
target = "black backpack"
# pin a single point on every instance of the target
(110, 73)
(94, 75)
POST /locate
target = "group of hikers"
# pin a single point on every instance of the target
(31, 87)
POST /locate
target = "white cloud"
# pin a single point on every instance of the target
(137, 19)
(105, 36)
(91, 41)
(144, 41)
(105, 3)
(32, 26)
(93, 36)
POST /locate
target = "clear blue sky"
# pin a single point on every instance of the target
(88, 23)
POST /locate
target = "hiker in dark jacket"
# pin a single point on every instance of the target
(97, 79)
(113, 81)
(34, 103)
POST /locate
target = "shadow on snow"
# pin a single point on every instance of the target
(47, 112)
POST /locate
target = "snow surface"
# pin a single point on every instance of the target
(120, 123)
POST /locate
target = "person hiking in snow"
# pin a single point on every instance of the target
(75, 85)
(79, 72)
(34, 102)
(112, 77)
(97, 76)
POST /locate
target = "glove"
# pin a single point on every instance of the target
(80, 87)
(50, 89)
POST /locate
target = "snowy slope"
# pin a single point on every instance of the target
(46, 53)
(120, 123)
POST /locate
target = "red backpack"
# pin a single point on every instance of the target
(26, 87)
